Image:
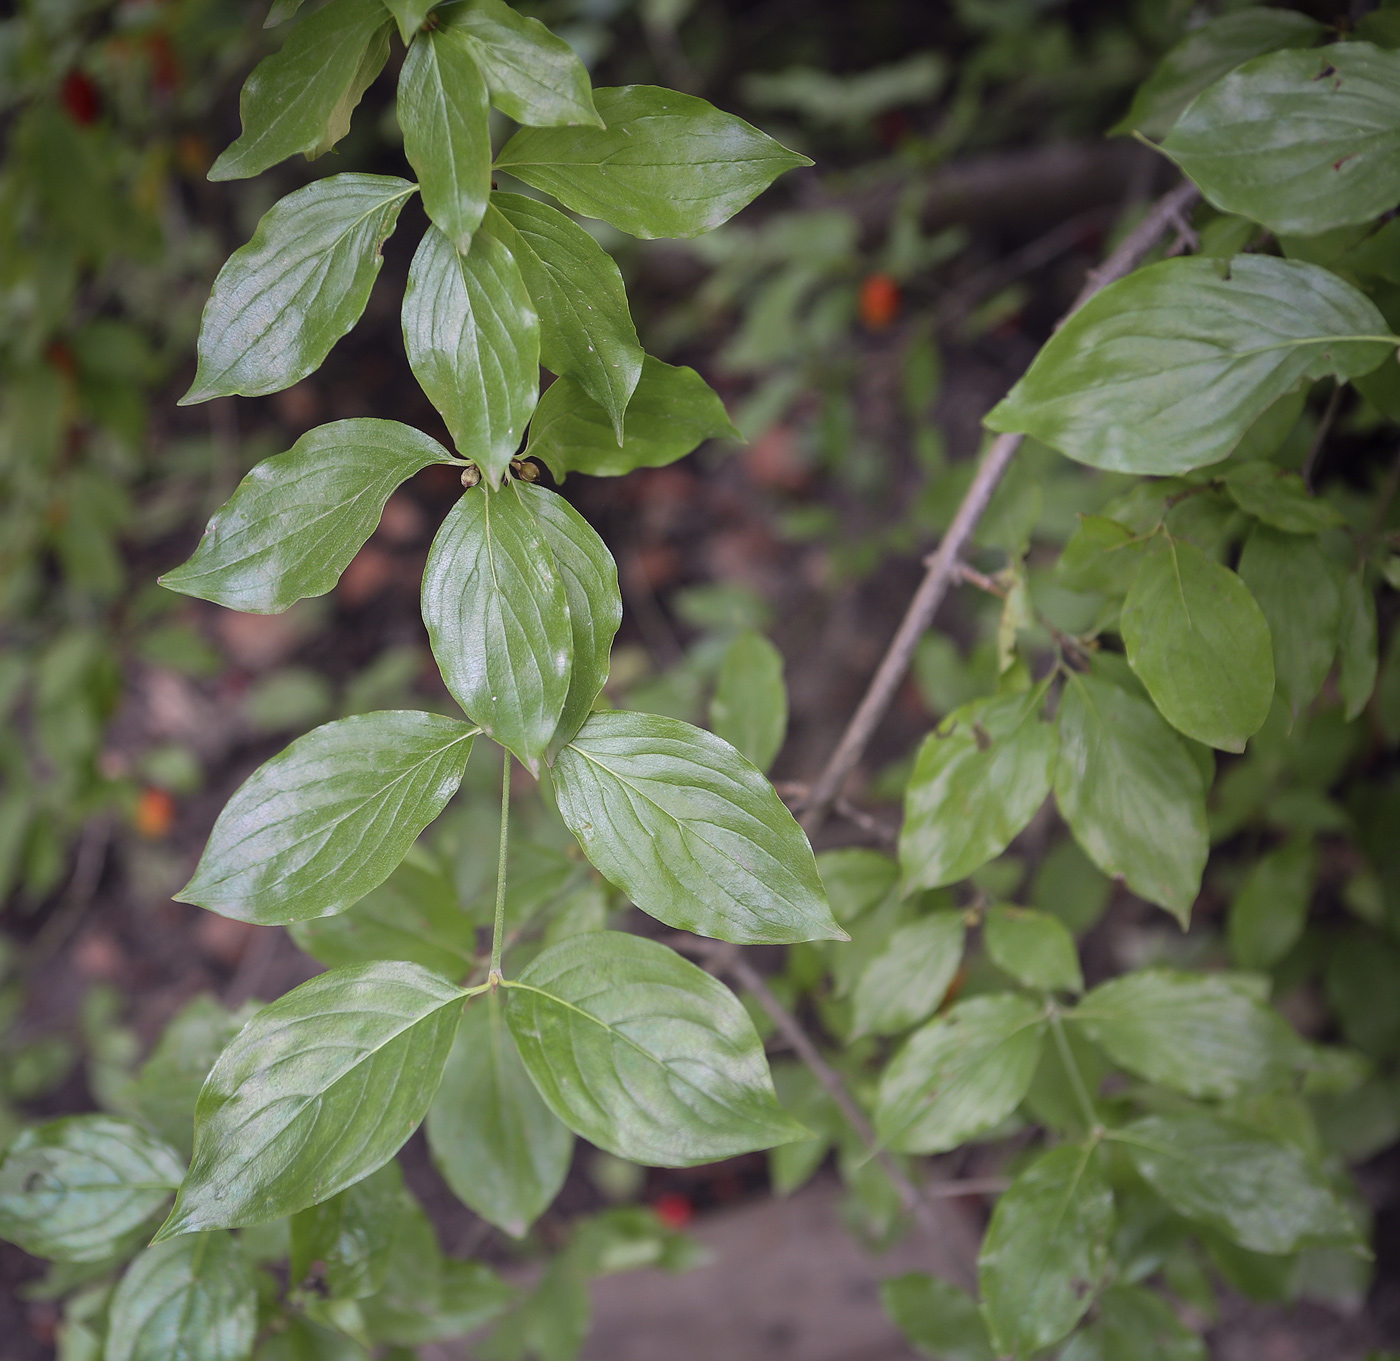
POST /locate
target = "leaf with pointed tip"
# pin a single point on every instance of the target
(280, 11)
(1132, 795)
(473, 342)
(445, 117)
(1280, 499)
(73, 1188)
(961, 1075)
(1268, 913)
(497, 612)
(282, 301)
(1166, 370)
(409, 15)
(301, 97)
(643, 1054)
(295, 522)
(666, 164)
(586, 330)
(679, 821)
(1035, 948)
(1207, 1035)
(1046, 1252)
(1301, 142)
(978, 779)
(906, 981)
(671, 412)
(534, 77)
(1200, 644)
(498, 1146)
(589, 575)
(749, 709)
(1264, 1195)
(192, 1298)
(317, 1091)
(316, 827)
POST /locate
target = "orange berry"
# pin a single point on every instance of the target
(155, 813)
(879, 301)
(673, 1209)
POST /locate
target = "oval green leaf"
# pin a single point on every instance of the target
(497, 612)
(679, 821)
(351, 1235)
(666, 164)
(1280, 499)
(643, 1054)
(1167, 369)
(907, 980)
(941, 1320)
(1358, 657)
(1035, 948)
(315, 828)
(749, 709)
(317, 1091)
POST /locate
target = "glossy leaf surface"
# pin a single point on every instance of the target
(473, 342)
(1200, 644)
(317, 1091)
(301, 97)
(72, 1189)
(351, 1236)
(978, 779)
(1046, 1250)
(1300, 141)
(907, 980)
(679, 821)
(295, 522)
(643, 1053)
(672, 411)
(1262, 1194)
(409, 15)
(1202, 1034)
(1131, 794)
(301, 283)
(586, 330)
(318, 826)
(498, 1146)
(666, 164)
(749, 709)
(1166, 370)
(497, 612)
(444, 113)
(961, 1075)
(192, 1297)
(1034, 948)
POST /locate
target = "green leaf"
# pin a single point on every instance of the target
(939, 1319)
(1269, 911)
(1101, 555)
(749, 709)
(409, 14)
(1167, 369)
(302, 1340)
(413, 915)
(643, 1054)
(586, 330)
(978, 779)
(1296, 586)
(1301, 142)
(906, 981)
(496, 607)
(1263, 1195)
(856, 881)
(1034, 948)
(1046, 1253)
(679, 821)
(317, 1091)
(1357, 650)
(301, 283)
(534, 77)
(301, 97)
(1134, 1323)
(593, 598)
(666, 164)
(1200, 644)
(496, 1143)
(318, 826)
(961, 1075)
(1280, 499)
(351, 1235)
(672, 411)
(73, 1188)
(1207, 1035)
(192, 1297)
(1133, 797)
(473, 342)
(1207, 53)
(445, 117)
(295, 522)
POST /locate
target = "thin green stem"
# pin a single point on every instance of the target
(1076, 1078)
(498, 933)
